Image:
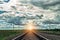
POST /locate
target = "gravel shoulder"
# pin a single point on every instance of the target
(49, 36)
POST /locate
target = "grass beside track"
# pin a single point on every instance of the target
(51, 31)
(6, 33)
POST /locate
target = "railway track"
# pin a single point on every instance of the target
(30, 36)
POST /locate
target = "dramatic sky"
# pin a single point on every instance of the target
(45, 14)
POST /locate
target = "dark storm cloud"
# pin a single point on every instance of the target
(6, 1)
(46, 5)
(52, 4)
(2, 11)
(51, 22)
(39, 16)
(15, 20)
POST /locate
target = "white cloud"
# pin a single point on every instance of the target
(26, 10)
(6, 6)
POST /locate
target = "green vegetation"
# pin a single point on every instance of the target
(51, 31)
(4, 34)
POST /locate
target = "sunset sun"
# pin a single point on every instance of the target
(30, 25)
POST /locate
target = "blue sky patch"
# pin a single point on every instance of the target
(6, 1)
(2, 12)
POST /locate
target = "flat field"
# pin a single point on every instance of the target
(51, 31)
(4, 34)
